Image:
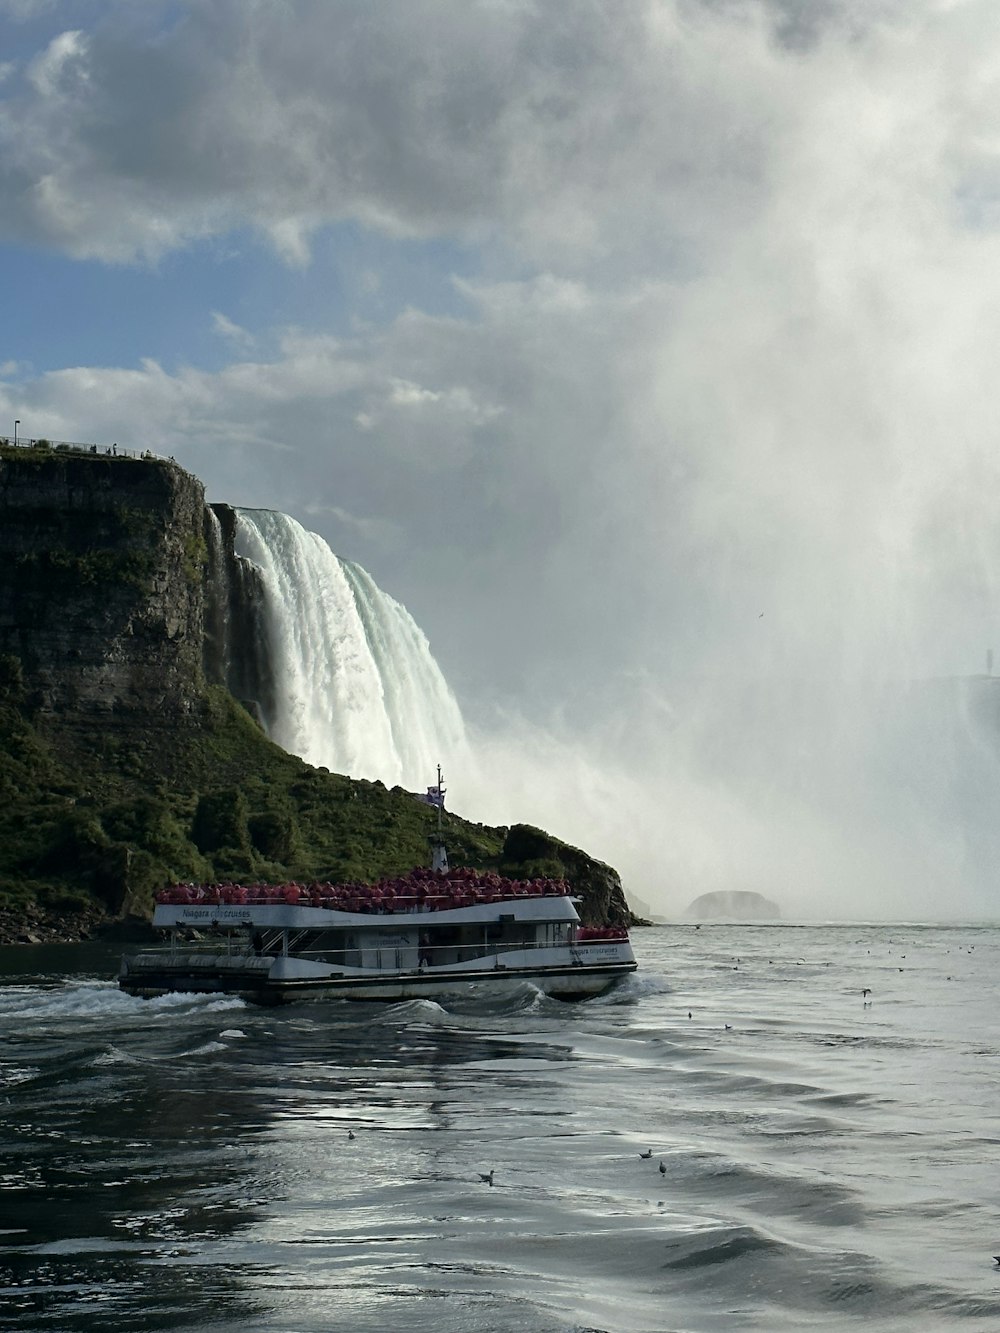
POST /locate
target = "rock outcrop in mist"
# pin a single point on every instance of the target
(735, 905)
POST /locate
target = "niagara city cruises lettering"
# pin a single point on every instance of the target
(215, 913)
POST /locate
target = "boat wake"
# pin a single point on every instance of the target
(630, 990)
(515, 997)
(99, 1000)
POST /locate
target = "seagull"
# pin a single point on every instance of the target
(488, 1180)
(647, 1154)
(350, 1133)
(866, 992)
(663, 1169)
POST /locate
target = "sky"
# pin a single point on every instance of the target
(646, 352)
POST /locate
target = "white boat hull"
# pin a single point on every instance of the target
(273, 981)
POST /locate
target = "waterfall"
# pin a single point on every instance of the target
(355, 687)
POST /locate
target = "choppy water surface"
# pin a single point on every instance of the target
(186, 1164)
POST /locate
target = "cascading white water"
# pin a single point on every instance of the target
(356, 687)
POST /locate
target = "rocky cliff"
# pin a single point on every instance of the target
(127, 626)
(102, 593)
(236, 648)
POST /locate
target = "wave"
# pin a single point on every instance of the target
(115, 1056)
(632, 989)
(719, 1245)
(516, 997)
(99, 1000)
(11, 1075)
(413, 1011)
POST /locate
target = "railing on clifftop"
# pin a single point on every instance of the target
(75, 446)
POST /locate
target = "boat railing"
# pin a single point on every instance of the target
(394, 907)
(436, 953)
(237, 944)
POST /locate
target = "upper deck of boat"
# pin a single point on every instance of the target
(402, 915)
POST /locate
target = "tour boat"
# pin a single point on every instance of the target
(424, 934)
(449, 931)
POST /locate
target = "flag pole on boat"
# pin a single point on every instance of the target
(439, 854)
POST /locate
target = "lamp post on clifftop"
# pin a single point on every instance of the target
(16, 424)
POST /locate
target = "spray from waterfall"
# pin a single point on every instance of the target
(865, 798)
(356, 687)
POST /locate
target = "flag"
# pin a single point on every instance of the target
(435, 796)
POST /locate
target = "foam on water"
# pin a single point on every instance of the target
(98, 1000)
(115, 1056)
(519, 997)
(632, 989)
(11, 1074)
(414, 1011)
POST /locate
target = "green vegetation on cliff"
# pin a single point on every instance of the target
(115, 822)
(120, 820)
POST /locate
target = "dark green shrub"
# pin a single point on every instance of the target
(233, 863)
(75, 840)
(545, 867)
(275, 835)
(11, 679)
(220, 821)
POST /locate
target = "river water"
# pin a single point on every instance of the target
(829, 1159)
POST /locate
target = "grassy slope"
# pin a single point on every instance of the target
(220, 800)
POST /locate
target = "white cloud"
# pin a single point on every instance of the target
(457, 401)
(290, 237)
(635, 138)
(20, 11)
(61, 67)
(232, 332)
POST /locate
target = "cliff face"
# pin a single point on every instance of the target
(237, 653)
(102, 596)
